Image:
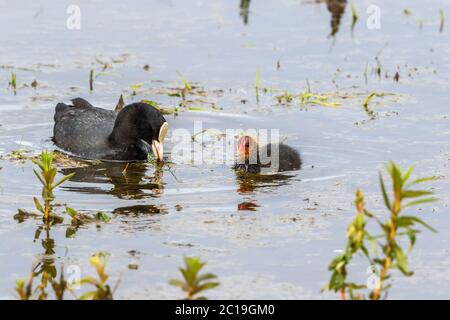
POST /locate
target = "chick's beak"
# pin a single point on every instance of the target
(158, 150)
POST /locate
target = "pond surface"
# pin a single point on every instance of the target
(265, 238)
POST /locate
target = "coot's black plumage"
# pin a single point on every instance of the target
(95, 133)
(249, 157)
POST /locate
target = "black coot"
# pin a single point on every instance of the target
(94, 133)
(249, 157)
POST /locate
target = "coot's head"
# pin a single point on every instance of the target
(139, 122)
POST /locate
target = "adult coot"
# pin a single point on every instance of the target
(253, 158)
(94, 133)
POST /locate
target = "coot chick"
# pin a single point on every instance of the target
(95, 133)
(249, 154)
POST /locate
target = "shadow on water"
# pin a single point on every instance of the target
(129, 181)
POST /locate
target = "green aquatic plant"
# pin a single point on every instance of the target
(135, 87)
(47, 177)
(163, 110)
(257, 79)
(442, 19)
(193, 282)
(25, 289)
(102, 290)
(91, 80)
(244, 7)
(13, 82)
(317, 99)
(394, 231)
(187, 85)
(355, 16)
(286, 97)
(79, 219)
(372, 114)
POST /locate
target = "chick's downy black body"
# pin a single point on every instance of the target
(95, 133)
(288, 158)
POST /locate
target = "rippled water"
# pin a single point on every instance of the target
(267, 237)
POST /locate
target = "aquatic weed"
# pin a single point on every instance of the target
(193, 282)
(47, 178)
(355, 16)
(91, 80)
(397, 227)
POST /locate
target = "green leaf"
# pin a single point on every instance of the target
(396, 176)
(87, 295)
(401, 260)
(415, 193)
(101, 216)
(136, 86)
(185, 82)
(64, 179)
(39, 177)
(206, 286)
(72, 213)
(206, 276)
(408, 174)
(425, 179)
(176, 283)
(51, 176)
(383, 190)
(152, 103)
(412, 219)
(70, 232)
(38, 205)
(418, 202)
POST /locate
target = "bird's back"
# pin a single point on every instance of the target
(82, 129)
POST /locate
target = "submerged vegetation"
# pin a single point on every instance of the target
(383, 251)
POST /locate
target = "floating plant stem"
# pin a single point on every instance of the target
(355, 16)
(442, 19)
(91, 80)
(372, 114)
(13, 82)
(258, 76)
(186, 84)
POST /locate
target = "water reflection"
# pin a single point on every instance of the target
(337, 9)
(249, 183)
(248, 206)
(244, 10)
(141, 210)
(130, 181)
